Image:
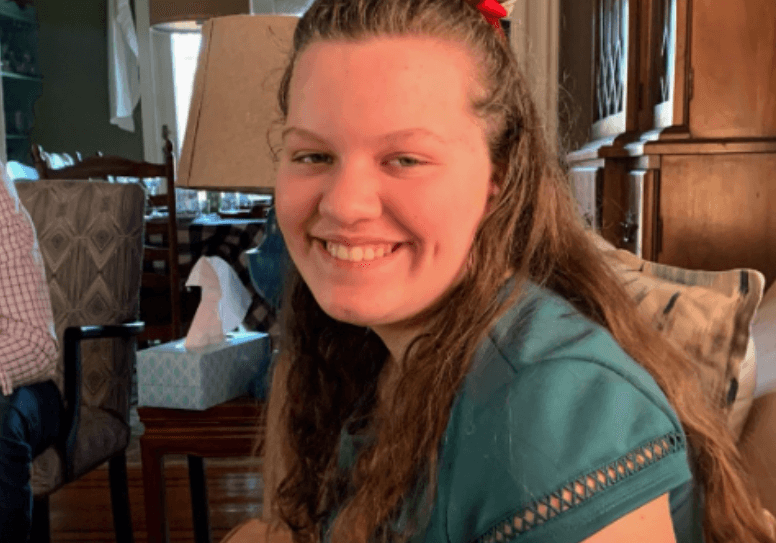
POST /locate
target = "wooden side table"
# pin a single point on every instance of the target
(225, 430)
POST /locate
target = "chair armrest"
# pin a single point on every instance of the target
(72, 361)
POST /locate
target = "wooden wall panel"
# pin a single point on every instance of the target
(719, 211)
(733, 59)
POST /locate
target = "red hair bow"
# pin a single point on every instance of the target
(493, 11)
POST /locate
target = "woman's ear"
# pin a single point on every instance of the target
(493, 192)
(494, 189)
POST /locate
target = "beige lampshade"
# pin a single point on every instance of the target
(234, 102)
(183, 15)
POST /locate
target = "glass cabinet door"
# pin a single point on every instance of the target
(665, 72)
(615, 67)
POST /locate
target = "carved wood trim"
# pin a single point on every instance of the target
(650, 216)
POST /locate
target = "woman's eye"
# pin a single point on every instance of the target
(323, 158)
(311, 158)
(407, 161)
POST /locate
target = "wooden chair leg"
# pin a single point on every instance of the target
(119, 497)
(199, 507)
(41, 529)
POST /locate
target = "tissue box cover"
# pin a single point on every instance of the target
(170, 376)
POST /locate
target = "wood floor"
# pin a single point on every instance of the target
(81, 512)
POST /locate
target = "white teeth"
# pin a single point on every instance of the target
(357, 254)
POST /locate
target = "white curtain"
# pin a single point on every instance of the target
(123, 67)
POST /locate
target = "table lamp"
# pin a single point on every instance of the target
(233, 106)
(234, 103)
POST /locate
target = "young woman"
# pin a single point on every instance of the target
(458, 362)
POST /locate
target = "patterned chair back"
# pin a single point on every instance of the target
(91, 238)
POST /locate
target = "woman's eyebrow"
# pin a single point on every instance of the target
(403, 134)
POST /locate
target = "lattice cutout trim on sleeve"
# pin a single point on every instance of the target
(580, 490)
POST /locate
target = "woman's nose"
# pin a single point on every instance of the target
(351, 195)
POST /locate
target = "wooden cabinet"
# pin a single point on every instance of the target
(682, 153)
(21, 78)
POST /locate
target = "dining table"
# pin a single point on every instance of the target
(228, 238)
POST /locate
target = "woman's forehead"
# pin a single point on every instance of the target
(384, 58)
(405, 78)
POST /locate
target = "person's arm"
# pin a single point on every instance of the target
(28, 349)
(650, 523)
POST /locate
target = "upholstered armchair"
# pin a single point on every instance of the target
(91, 239)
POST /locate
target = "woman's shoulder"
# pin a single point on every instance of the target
(556, 430)
(542, 338)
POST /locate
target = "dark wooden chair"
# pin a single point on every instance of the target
(44, 160)
(160, 326)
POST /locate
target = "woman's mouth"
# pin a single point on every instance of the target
(359, 253)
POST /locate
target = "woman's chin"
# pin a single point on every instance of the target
(351, 315)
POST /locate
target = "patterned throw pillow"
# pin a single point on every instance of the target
(708, 314)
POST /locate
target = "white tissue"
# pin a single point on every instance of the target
(224, 303)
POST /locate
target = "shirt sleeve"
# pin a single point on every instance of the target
(564, 448)
(28, 348)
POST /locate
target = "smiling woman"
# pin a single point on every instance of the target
(385, 189)
(459, 364)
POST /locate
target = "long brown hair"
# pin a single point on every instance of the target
(534, 230)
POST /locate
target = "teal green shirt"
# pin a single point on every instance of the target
(555, 434)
